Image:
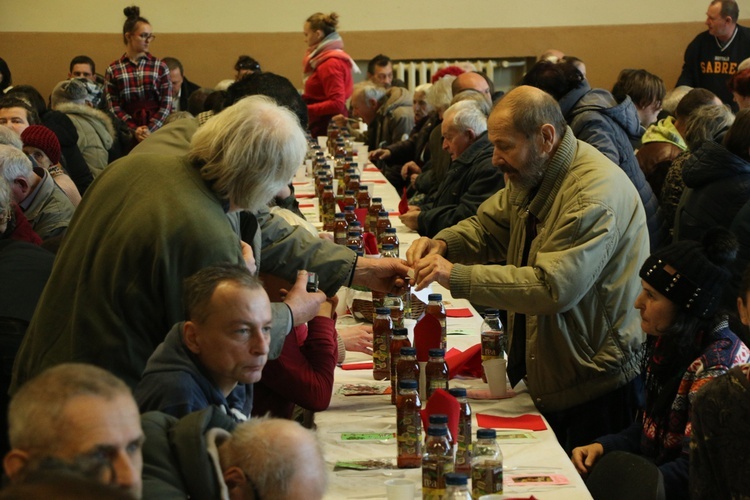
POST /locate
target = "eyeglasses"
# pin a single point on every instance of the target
(146, 37)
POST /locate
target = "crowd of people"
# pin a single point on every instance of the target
(154, 263)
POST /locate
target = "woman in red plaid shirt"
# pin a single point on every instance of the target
(139, 91)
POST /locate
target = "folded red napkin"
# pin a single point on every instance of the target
(426, 336)
(403, 205)
(378, 181)
(468, 362)
(304, 195)
(306, 205)
(461, 312)
(365, 365)
(361, 214)
(371, 169)
(442, 403)
(371, 243)
(393, 214)
(528, 422)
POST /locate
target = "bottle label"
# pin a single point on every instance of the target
(380, 353)
(493, 343)
(438, 383)
(409, 429)
(463, 444)
(433, 477)
(486, 478)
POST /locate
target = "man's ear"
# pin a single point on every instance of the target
(190, 337)
(472, 136)
(548, 135)
(14, 462)
(23, 186)
(235, 479)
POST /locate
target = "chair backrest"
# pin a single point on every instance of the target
(624, 476)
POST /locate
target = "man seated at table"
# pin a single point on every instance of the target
(216, 356)
(78, 414)
(471, 177)
(204, 455)
(573, 231)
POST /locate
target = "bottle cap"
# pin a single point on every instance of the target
(438, 419)
(382, 213)
(349, 192)
(486, 434)
(434, 430)
(355, 223)
(383, 310)
(390, 230)
(349, 208)
(340, 214)
(388, 246)
(435, 297)
(353, 164)
(377, 199)
(436, 353)
(456, 479)
(407, 383)
(408, 351)
(353, 234)
(487, 312)
(400, 332)
(457, 392)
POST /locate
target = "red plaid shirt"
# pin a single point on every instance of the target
(148, 79)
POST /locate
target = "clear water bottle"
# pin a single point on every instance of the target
(457, 486)
(486, 465)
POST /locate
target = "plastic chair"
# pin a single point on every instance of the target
(624, 476)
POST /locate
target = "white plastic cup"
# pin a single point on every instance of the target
(492, 496)
(496, 378)
(409, 324)
(323, 141)
(400, 489)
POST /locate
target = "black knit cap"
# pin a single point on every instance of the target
(699, 271)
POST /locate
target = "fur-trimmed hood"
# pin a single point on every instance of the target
(98, 119)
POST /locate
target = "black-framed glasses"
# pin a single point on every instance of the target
(146, 37)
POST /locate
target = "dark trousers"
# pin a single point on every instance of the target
(607, 414)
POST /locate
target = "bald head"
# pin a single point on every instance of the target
(529, 108)
(474, 81)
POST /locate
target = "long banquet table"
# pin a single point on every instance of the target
(374, 414)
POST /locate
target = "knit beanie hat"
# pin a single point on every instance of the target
(698, 271)
(39, 136)
(69, 91)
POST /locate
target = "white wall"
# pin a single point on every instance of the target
(273, 16)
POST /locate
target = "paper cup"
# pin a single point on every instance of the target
(400, 489)
(409, 324)
(495, 371)
(493, 496)
(323, 141)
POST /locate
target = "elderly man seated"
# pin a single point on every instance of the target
(471, 177)
(388, 113)
(44, 204)
(215, 357)
(204, 455)
(79, 414)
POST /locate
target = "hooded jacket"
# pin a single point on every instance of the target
(95, 134)
(393, 120)
(717, 185)
(471, 179)
(175, 383)
(596, 118)
(177, 463)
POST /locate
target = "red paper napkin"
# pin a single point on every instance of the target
(378, 181)
(442, 403)
(468, 362)
(403, 205)
(426, 336)
(371, 243)
(371, 169)
(462, 312)
(361, 214)
(365, 365)
(304, 195)
(528, 422)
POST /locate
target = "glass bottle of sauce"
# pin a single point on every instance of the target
(382, 330)
(398, 341)
(436, 372)
(408, 425)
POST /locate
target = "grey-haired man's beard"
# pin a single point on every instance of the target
(531, 175)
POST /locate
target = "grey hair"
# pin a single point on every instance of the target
(369, 90)
(178, 115)
(673, 98)
(274, 452)
(424, 88)
(441, 93)
(705, 123)
(34, 412)
(472, 95)
(467, 115)
(5, 196)
(14, 164)
(249, 151)
(10, 138)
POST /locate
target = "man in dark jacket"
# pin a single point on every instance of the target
(471, 177)
(204, 455)
(215, 356)
(596, 118)
(181, 86)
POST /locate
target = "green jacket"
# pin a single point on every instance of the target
(582, 332)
